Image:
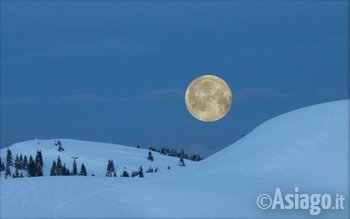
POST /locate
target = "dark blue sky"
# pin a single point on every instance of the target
(117, 71)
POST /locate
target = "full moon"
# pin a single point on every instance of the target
(208, 98)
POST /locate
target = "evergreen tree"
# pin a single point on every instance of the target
(64, 170)
(9, 159)
(140, 172)
(134, 173)
(182, 153)
(17, 161)
(0, 165)
(125, 173)
(58, 143)
(53, 169)
(31, 167)
(7, 170)
(60, 148)
(21, 175)
(108, 172)
(182, 162)
(150, 156)
(39, 171)
(39, 158)
(25, 163)
(110, 168)
(21, 162)
(59, 166)
(16, 173)
(114, 174)
(150, 170)
(75, 169)
(39, 163)
(83, 170)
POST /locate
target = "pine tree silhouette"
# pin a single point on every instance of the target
(17, 161)
(59, 166)
(125, 173)
(39, 158)
(83, 170)
(7, 170)
(64, 170)
(110, 168)
(16, 173)
(53, 169)
(134, 173)
(75, 169)
(182, 162)
(25, 163)
(140, 172)
(150, 156)
(39, 163)
(58, 143)
(31, 167)
(21, 162)
(9, 159)
(150, 170)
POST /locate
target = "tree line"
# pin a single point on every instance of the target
(176, 153)
(33, 167)
(57, 169)
(111, 171)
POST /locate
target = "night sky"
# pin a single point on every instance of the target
(117, 72)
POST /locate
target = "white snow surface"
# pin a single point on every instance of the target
(307, 148)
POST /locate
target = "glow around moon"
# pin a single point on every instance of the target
(208, 98)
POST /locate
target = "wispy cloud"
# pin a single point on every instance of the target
(166, 94)
(12, 101)
(260, 93)
(86, 98)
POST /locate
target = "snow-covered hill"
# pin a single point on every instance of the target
(306, 148)
(94, 155)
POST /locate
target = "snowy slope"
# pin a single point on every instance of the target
(94, 155)
(307, 148)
